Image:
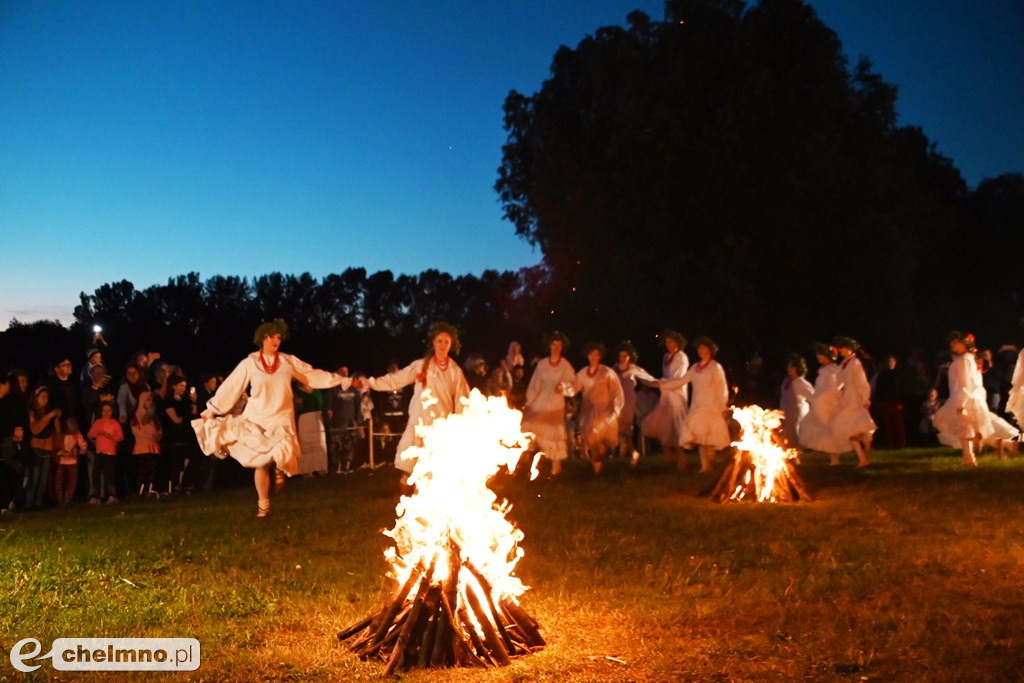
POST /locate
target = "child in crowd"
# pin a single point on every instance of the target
(106, 433)
(147, 432)
(73, 444)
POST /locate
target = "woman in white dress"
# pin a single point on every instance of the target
(1015, 399)
(544, 414)
(852, 425)
(440, 386)
(813, 432)
(665, 422)
(705, 426)
(964, 420)
(263, 433)
(629, 372)
(602, 404)
(795, 398)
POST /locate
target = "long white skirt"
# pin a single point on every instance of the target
(665, 422)
(251, 444)
(706, 426)
(813, 431)
(1015, 405)
(312, 443)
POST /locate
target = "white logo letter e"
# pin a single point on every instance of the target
(17, 657)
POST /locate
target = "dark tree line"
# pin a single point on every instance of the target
(725, 171)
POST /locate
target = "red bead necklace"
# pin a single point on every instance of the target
(270, 369)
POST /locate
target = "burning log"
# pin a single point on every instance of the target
(422, 631)
(455, 552)
(762, 468)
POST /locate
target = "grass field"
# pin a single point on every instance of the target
(910, 571)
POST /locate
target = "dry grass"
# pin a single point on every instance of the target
(912, 571)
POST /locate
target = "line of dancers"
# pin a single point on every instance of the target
(251, 417)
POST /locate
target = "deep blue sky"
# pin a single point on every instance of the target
(143, 139)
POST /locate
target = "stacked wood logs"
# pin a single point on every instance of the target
(426, 626)
(736, 485)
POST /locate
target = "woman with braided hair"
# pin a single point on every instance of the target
(435, 377)
(263, 433)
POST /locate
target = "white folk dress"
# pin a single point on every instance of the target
(852, 418)
(705, 423)
(264, 431)
(813, 431)
(628, 377)
(544, 414)
(447, 387)
(603, 403)
(1015, 400)
(965, 415)
(795, 402)
(665, 422)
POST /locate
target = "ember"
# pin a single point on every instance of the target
(455, 552)
(762, 469)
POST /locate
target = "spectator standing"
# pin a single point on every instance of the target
(391, 416)
(93, 357)
(13, 428)
(514, 355)
(45, 430)
(176, 420)
(106, 434)
(927, 430)
(73, 445)
(889, 403)
(343, 418)
(147, 432)
(65, 393)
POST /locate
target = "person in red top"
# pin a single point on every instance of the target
(106, 433)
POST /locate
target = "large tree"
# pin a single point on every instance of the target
(726, 171)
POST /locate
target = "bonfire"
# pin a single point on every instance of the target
(455, 552)
(762, 470)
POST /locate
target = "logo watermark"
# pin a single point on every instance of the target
(110, 654)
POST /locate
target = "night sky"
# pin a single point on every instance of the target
(141, 140)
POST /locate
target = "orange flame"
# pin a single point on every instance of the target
(759, 437)
(452, 502)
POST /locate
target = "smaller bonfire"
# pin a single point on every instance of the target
(762, 470)
(455, 552)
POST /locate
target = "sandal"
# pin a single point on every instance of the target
(262, 513)
(279, 480)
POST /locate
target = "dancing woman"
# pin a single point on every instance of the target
(1015, 400)
(629, 373)
(665, 422)
(964, 420)
(813, 432)
(439, 386)
(602, 405)
(852, 425)
(795, 397)
(263, 433)
(705, 426)
(544, 414)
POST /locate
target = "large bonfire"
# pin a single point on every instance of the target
(762, 470)
(455, 552)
